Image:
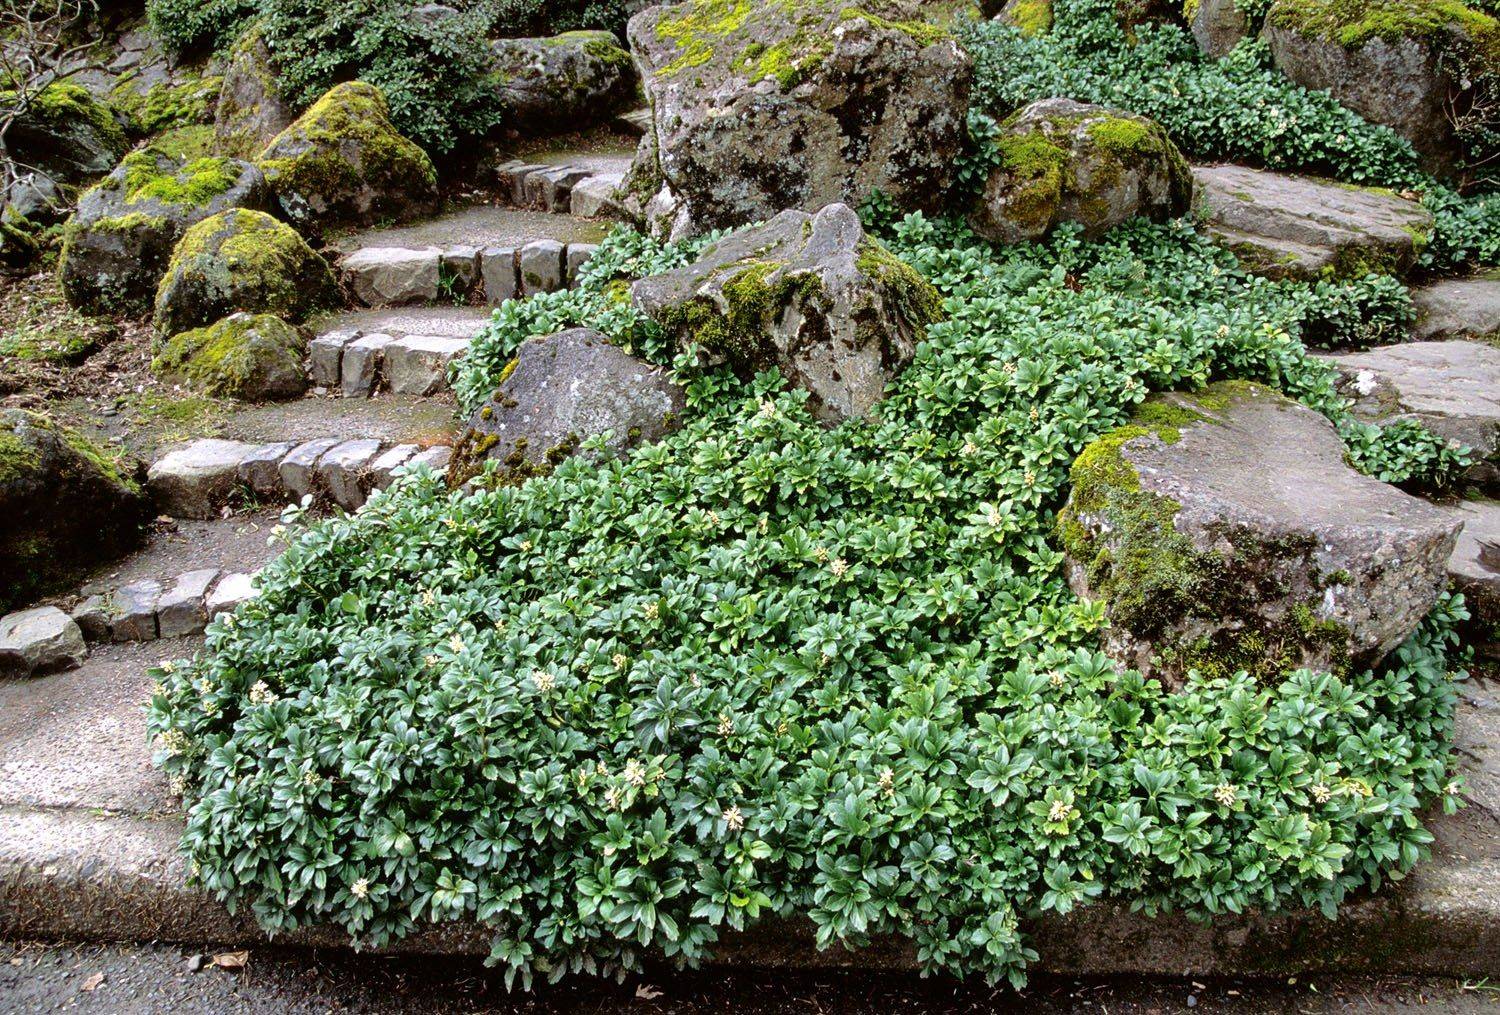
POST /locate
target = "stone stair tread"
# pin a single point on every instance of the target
(398, 322)
(1461, 308)
(478, 226)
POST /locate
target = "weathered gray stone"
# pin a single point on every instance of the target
(596, 196)
(460, 271)
(418, 364)
(497, 266)
(1218, 26)
(382, 469)
(550, 189)
(541, 267)
(197, 480)
(92, 617)
(69, 141)
(576, 78)
(232, 590)
(1295, 227)
(341, 471)
(325, 356)
(392, 276)
(510, 181)
(1452, 388)
(41, 640)
(363, 359)
(835, 311)
(435, 458)
(1457, 308)
(250, 112)
(1241, 539)
(565, 388)
(578, 255)
(250, 357)
(259, 470)
(1475, 572)
(1087, 164)
(797, 106)
(134, 614)
(117, 244)
(298, 468)
(181, 610)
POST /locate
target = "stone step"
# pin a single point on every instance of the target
(201, 478)
(479, 254)
(565, 182)
(1452, 388)
(1474, 570)
(404, 351)
(1459, 308)
(147, 609)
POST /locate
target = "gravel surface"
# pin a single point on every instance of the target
(133, 980)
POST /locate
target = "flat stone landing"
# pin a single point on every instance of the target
(88, 851)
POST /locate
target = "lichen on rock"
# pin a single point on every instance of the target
(252, 357)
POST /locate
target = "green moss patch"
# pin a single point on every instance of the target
(1352, 23)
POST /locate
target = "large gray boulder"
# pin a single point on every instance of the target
(562, 82)
(560, 390)
(1404, 65)
(64, 504)
(1457, 308)
(66, 134)
(1065, 161)
(1224, 531)
(1286, 226)
(117, 244)
(811, 295)
(778, 106)
(250, 111)
(41, 640)
(1217, 25)
(1451, 388)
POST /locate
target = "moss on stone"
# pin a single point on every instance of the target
(1031, 17)
(914, 297)
(166, 106)
(234, 357)
(17, 458)
(63, 105)
(1036, 173)
(1352, 23)
(923, 33)
(193, 184)
(697, 30)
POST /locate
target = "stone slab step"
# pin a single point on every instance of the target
(403, 351)
(39, 641)
(199, 479)
(565, 182)
(1459, 308)
(147, 609)
(1452, 388)
(1475, 571)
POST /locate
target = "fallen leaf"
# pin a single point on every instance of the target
(92, 983)
(231, 960)
(646, 992)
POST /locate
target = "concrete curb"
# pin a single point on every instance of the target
(70, 874)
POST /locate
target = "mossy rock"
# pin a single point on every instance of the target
(1224, 531)
(66, 134)
(66, 504)
(167, 105)
(1065, 161)
(241, 260)
(251, 111)
(563, 81)
(341, 163)
(117, 244)
(251, 357)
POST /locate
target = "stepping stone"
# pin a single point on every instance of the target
(578, 255)
(1297, 227)
(418, 364)
(595, 196)
(541, 265)
(298, 477)
(392, 276)
(341, 471)
(435, 459)
(41, 640)
(1475, 569)
(325, 356)
(260, 470)
(382, 470)
(510, 180)
(1452, 388)
(480, 226)
(232, 590)
(181, 611)
(497, 266)
(637, 121)
(361, 367)
(197, 480)
(92, 618)
(134, 617)
(460, 266)
(1463, 308)
(334, 335)
(551, 189)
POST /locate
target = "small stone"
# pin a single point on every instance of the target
(325, 356)
(554, 187)
(578, 256)
(382, 469)
(40, 640)
(595, 196)
(181, 611)
(92, 617)
(435, 458)
(460, 271)
(418, 364)
(511, 181)
(497, 266)
(362, 362)
(541, 263)
(232, 590)
(260, 470)
(296, 469)
(393, 276)
(134, 616)
(195, 963)
(341, 471)
(198, 480)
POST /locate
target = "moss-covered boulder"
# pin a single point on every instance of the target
(341, 163)
(1218, 25)
(1065, 161)
(1029, 17)
(66, 134)
(562, 82)
(65, 504)
(241, 260)
(251, 357)
(117, 244)
(811, 295)
(761, 107)
(250, 111)
(1415, 66)
(1224, 531)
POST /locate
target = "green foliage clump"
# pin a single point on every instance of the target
(768, 669)
(196, 25)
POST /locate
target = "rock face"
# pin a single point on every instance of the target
(1457, 308)
(1217, 25)
(1224, 532)
(43, 640)
(835, 311)
(1065, 161)
(1295, 227)
(254, 357)
(1394, 62)
(117, 244)
(1452, 388)
(765, 107)
(250, 112)
(571, 80)
(63, 504)
(241, 260)
(68, 135)
(343, 164)
(561, 390)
